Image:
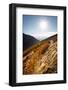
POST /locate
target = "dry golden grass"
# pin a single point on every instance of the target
(41, 58)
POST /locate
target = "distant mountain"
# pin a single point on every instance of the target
(28, 41)
(54, 38)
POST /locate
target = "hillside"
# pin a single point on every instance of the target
(41, 58)
(28, 41)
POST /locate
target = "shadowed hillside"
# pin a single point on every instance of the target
(28, 41)
(41, 58)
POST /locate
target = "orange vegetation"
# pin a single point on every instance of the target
(41, 58)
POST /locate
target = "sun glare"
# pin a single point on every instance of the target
(43, 24)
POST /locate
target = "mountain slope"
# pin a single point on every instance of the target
(28, 41)
(41, 58)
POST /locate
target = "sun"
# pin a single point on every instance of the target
(43, 24)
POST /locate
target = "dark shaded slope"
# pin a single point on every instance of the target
(28, 41)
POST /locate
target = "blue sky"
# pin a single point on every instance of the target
(40, 27)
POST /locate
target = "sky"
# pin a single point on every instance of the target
(40, 27)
